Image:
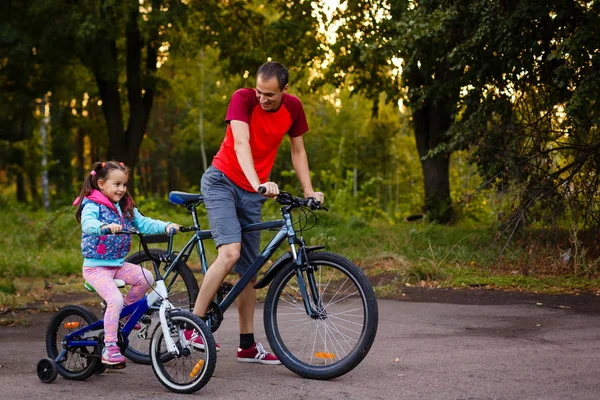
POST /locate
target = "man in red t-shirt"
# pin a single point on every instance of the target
(258, 119)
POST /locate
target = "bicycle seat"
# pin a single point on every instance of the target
(119, 282)
(185, 199)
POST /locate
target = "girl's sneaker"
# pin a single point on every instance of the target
(195, 340)
(111, 355)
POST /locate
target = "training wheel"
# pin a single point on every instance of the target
(46, 370)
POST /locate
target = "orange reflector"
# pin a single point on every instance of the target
(71, 325)
(197, 368)
(322, 354)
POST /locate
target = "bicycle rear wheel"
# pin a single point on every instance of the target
(191, 369)
(183, 290)
(79, 363)
(338, 337)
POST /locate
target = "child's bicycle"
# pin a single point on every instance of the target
(320, 312)
(75, 338)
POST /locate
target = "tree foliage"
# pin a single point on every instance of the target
(370, 37)
(516, 83)
(512, 85)
(531, 73)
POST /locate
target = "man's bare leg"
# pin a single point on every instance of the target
(246, 303)
(227, 256)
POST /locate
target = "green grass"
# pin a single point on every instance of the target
(41, 245)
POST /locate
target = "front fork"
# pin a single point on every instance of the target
(161, 291)
(305, 275)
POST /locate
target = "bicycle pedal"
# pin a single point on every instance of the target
(225, 288)
(116, 366)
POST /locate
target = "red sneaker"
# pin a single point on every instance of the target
(196, 340)
(257, 354)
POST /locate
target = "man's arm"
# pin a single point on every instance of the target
(300, 162)
(241, 137)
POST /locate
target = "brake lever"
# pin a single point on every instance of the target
(314, 204)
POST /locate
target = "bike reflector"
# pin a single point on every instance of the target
(197, 368)
(71, 325)
(322, 354)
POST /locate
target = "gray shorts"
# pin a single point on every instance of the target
(230, 207)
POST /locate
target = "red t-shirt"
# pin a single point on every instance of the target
(267, 129)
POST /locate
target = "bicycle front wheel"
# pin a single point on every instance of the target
(339, 333)
(190, 369)
(183, 290)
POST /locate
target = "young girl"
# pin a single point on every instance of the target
(104, 203)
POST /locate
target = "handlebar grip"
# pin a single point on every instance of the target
(262, 189)
(131, 231)
(315, 204)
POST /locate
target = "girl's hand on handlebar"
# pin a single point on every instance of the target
(173, 226)
(112, 228)
(269, 189)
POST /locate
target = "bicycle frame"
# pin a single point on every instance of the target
(286, 230)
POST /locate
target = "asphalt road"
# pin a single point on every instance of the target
(422, 351)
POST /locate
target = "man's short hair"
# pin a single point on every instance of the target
(272, 69)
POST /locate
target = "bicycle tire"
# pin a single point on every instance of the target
(47, 370)
(80, 362)
(345, 329)
(182, 297)
(191, 370)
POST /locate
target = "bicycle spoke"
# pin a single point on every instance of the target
(335, 326)
(189, 369)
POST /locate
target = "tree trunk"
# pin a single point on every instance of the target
(431, 124)
(45, 123)
(79, 156)
(106, 71)
(124, 145)
(139, 96)
(201, 116)
(18, 160)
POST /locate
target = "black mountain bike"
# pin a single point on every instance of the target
(320, 313)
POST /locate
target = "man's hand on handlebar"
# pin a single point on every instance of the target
(269, 189)
(319, 196)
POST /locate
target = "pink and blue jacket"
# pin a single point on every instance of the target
(110, 250)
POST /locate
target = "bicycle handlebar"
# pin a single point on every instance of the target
(133, 231)
(286, 199)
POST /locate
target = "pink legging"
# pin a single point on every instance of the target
(101, 278)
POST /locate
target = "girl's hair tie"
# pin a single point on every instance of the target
(93, 173)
